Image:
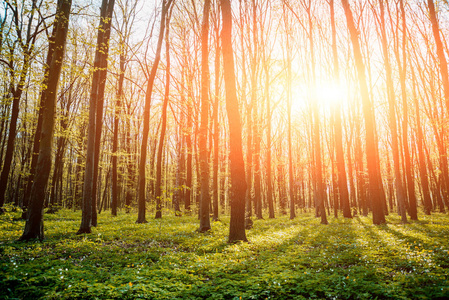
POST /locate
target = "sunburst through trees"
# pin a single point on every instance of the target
(249, 108)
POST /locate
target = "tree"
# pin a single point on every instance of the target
(158, 189)
(368, 115)
(215, 115)
(440, 50)
(128, 12)
(238, 182)
(26, 38)
(89, 208)
(400, 193)
(34, 227)
(202, 143)
(146, 114)
(339, 153)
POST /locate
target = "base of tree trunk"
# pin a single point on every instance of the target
(2, 210)
(204, 229)
(84, 230)
(235, 240)
(31, 237)
(141, 221)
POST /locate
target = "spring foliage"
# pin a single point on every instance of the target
(284, 259)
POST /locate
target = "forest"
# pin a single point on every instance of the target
(218, 149)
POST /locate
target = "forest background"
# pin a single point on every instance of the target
(330, 107)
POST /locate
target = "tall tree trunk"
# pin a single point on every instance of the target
(399, 187)
(339, 153)
(215, 117)
(34, 227)
(16, 91)
(270, 200)
(320, 193)
(188, 136)
(16, 95)
(238, 182)
(409, 180)
(204, 153)
(117, 110)
(269, 175)
(89, 197)
(421, 154)
(289, 116)
(146, 115)
(158, 185)
(104, 50)
(374, 187)
(440, 51)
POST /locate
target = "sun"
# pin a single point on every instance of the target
(330, 93)
(327, 93)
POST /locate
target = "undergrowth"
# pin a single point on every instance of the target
(168, 259)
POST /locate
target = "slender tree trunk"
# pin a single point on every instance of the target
(409, 182)
(158, 186)
(238, 182)
(118, 105)
(339, 153)
(16, 92)
(89, 191)
(421, 155)
(399, 187)
(146, 115)
(320, 193)
(34, 227)
(9, 153)
(34, 157)
(374, 187)
(104, 50)
(269, 176)
(215, 184)
(289, 117)
(440, 51)
(188, 137)
(204, 153)
(247, 103)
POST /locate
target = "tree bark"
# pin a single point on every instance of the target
(89, 208)
(158, 186)
(202, 143)
(146, 115)
(339, 153)
(409, 182)
(421, 154)
(440, 50)
(34, 227)
(118, 105)
(399, 187)
(104, 50)
(215, 116)
(375, 182)
(238, 182)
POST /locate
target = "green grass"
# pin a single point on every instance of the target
(169, 259)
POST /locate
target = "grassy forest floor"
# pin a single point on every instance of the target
(169, 259)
